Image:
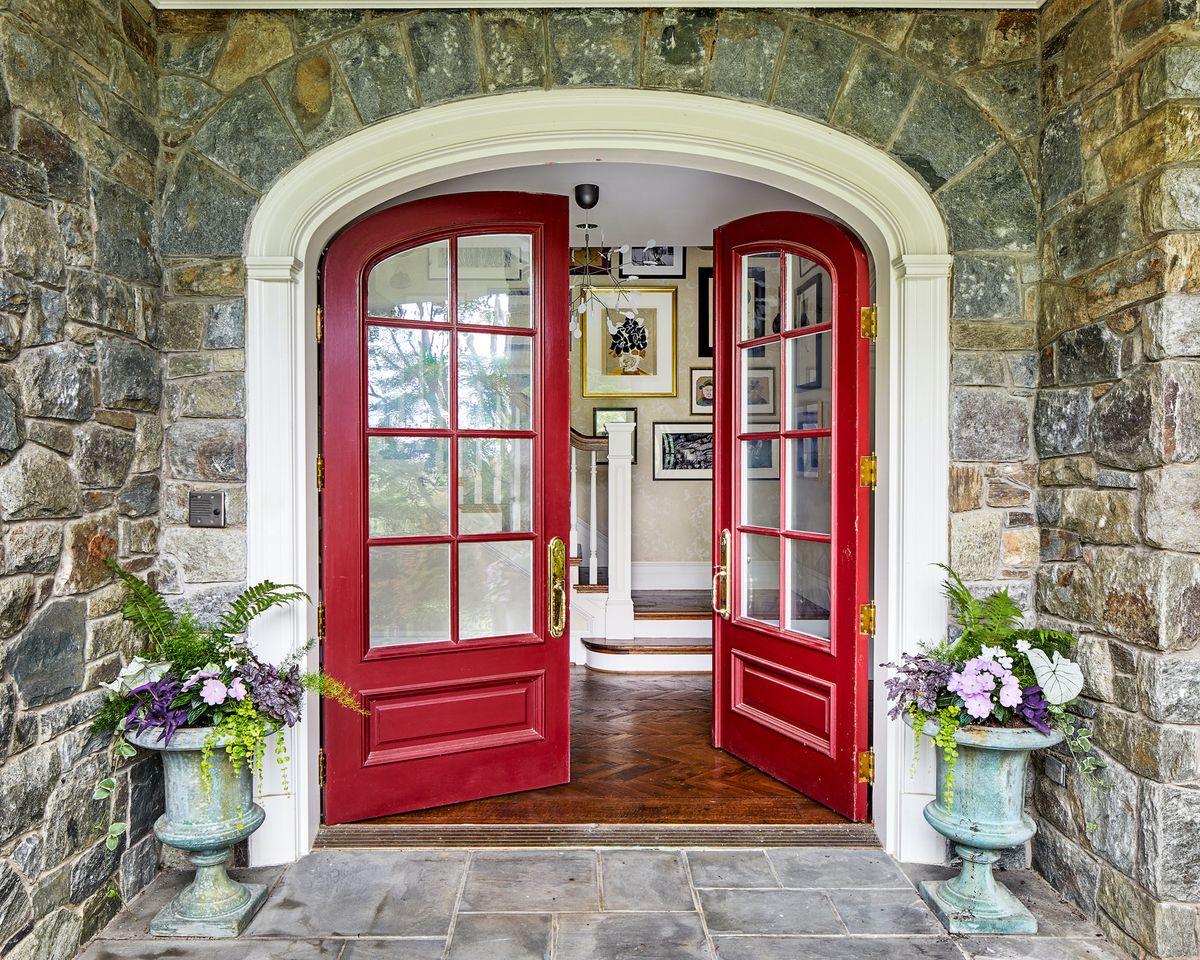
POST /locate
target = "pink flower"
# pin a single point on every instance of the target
(237, 689)
(213, 692)
(979, 706)
(1010, 692)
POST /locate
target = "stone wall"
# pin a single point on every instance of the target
(1117, 428)
(954, 96)
(80, 442)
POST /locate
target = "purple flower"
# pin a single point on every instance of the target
(979, 705)
(155, 708)
(1010, 692)
(1034, 709)
(213, 692)
(237, 689)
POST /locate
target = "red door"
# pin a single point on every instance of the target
(445, 417)
(792, 372)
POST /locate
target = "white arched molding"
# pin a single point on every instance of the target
(863, 186)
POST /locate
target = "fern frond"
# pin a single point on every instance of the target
(145, 607)
(1000, 612)
(966, 608)
(254, 601)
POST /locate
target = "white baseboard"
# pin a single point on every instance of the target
(682, 575)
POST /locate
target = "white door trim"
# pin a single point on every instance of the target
(863, 186)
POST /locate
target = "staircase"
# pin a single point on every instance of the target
(614, 627)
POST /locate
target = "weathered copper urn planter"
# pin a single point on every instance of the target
(206, 824)
(986, 815)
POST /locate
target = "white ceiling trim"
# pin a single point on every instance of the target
(538, 4)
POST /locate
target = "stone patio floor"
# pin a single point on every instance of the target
(605, 904)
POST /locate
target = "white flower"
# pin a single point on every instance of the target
(1024, 646)
(232, 662)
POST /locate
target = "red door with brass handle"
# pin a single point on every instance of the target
(445, 430)
(790, 515)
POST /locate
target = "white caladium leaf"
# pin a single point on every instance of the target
(1061, 679)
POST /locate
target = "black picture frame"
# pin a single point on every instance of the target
(676, 271)
(632, 419)
(704, 313)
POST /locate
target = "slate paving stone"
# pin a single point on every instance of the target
(769, 911)
(1039, 948)
(216, 950)
(814, 868)
(394, 949)
(884, 912)
(535, 881)
(621, 936)
(364, 893)
(731, 868)
(644, 880)
(841, 948)
(484, 936)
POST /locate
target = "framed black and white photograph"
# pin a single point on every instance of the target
(683, 451)
(658, 261)
(759, 391)
(704, 315)
(762, 459)
(603, 416)
(809, 308)
(703, 393)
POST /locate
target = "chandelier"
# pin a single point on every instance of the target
(602, 262)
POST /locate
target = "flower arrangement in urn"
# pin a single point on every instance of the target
(987, 699)
(204, 699)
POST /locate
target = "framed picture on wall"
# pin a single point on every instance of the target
(626, 356)
(809, 308)
(589, 261)
(703, 392)
(655, 261)
(759, 391)
(704, 319)
(603, 416)
(762, 459)
(683, 451)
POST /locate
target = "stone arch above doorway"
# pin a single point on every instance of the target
(947, 94)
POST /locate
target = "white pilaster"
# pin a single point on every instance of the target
(619, 615)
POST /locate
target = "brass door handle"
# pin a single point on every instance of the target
(556, 556)
(720, 597)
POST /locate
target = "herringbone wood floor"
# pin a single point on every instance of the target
(641, 753)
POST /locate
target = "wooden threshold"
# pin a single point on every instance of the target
(367, 835)
(590, 588)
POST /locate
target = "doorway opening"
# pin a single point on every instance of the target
(642, 398)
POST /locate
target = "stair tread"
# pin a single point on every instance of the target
(672, 604)
(660, 645)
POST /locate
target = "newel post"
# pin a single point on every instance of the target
(619, 609)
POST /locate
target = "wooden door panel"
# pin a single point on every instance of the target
(445, 413)
(791, 421)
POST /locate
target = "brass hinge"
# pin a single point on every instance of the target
(866, 766)
(866, 619)
(868, 470)
(320, 473)
(321, 622)
(868, 322)
(321, 767)
(320, 323)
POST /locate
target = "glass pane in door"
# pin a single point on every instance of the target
(760, 578)
(411, 285)
(495, 485)
(809, 587)
(810, 302)
(495, 589)
(409, 596)
(495, 382)
(408, 378)
(760, 295)
(759, 400)
(810, 368)
(494, 280)
(408, 486)
(809, 477)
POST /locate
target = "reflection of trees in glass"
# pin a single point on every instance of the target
(494, 484)
(498, 578)
(494, 382)
(408, 373)
(410, 594)
(408, 480)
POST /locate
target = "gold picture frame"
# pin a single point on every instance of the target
(646, 371)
